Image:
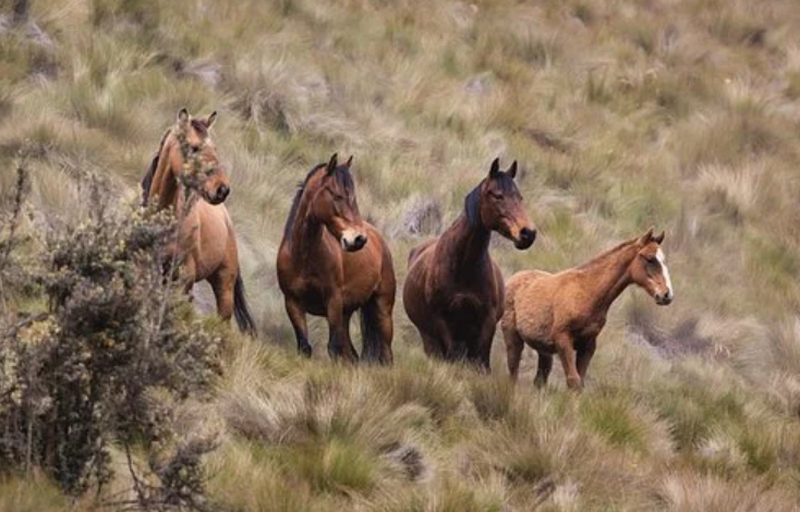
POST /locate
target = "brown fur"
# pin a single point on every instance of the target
(323, 271)
(454, 291)
(563, 313)
(206, 243)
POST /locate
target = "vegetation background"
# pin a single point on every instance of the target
(683, 114)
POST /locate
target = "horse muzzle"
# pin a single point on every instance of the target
(525, 238)
(220, 196)
(352, 241)
(664, 299)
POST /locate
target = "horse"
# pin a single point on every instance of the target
(185, 176)
(453, 293)
(563, 313)
(332, 263)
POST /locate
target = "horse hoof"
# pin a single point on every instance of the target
(575, 384)
(338, 354)
(304, 350)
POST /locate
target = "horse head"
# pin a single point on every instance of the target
(497, 204)
(649, 268)
(188, 155)
(334, 205)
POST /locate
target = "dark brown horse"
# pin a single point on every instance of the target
(332, 263)
(563, 313)
(454, 291)
(186, 176)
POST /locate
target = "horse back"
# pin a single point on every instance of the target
(414, 254)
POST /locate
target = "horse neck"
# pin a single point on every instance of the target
(466, 245)
(164, 185)
(306, 231)
(608, 275)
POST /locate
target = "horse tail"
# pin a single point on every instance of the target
(370, 332)
(240, 310)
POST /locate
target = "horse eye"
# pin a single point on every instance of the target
(496, 195)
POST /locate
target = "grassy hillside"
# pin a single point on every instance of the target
(683, 114)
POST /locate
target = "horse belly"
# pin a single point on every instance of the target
(314, 302)
(534, 314)
(465, 315)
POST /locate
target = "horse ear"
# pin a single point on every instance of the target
(495, 169)
(183, 116)
(332, 164)
(512, 171)
(349, 162)
(210, 120)
(645, 238)
(659, 238)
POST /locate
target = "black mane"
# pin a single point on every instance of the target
(147, 182)
(473, 200)
(343, 178)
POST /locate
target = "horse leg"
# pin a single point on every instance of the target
(584, 356)
(445, 338)
(339, 344)
(297, 315)
(377, 329)
(222, 283)
(384, 304)
(484, 346)
(543, 367)
(187, 275)
(432, 346)
(566, 352)
(347, 340)
(514, 347)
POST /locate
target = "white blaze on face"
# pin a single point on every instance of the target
(665, 271)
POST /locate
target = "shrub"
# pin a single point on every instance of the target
(109, 361)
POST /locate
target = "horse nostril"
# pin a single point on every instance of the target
(526, 238)
(663, 299)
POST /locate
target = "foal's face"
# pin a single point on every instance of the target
(335, 205)
(501, 207)
(649, 269)
(215, 185)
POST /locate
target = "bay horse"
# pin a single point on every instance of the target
(332, 263)
(186, 176)
(453, 293)
(563, 313)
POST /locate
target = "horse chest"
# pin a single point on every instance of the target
(590, 328)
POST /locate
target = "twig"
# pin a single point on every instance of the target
(19, 195)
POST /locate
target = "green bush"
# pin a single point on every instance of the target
(114, 354)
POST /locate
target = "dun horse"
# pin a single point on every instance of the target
(454, 291)
(206, 244)
(563, 313)
(332, 263)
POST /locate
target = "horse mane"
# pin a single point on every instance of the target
(343, 178)
(605, 254)
(473, 200)
(147, 182)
